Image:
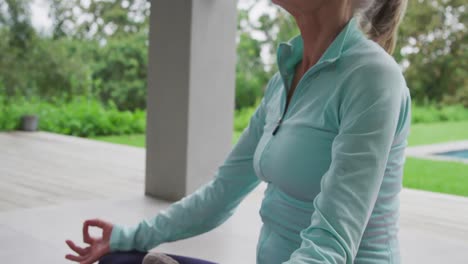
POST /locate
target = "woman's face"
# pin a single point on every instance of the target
(300, 6)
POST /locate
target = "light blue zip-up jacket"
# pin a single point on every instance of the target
(333, 164)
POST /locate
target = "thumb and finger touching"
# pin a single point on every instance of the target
(97, 246)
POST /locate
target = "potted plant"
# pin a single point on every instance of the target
(29, 122)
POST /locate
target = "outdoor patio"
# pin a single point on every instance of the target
(50, 183)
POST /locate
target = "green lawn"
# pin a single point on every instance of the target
(132, 140)
(139, 140)
(422, 134)
(436, 176)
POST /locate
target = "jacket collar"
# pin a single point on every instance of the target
(290, 53)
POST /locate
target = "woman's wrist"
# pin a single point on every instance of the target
(116, 237)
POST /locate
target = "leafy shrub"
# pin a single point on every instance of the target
(79, 117)
(242, 118)
(430, 113)
(89, 117)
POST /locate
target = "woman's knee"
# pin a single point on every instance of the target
(158, 258)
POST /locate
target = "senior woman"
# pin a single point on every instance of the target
(328, 138)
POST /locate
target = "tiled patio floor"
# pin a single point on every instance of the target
(38, 169)
(49, 184)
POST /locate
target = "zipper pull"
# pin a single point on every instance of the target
(277, 126)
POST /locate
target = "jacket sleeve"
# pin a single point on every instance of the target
(370, 108)
(206, 208)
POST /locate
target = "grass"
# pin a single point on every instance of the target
(440, 176)
(132, 140)
(429, 175)
(422, 134)
(139, 139)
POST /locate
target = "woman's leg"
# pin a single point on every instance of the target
(187, 260)
(136, 257)
(130, 257)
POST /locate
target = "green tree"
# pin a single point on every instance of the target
(119, 64)
(252, 72)
(33, 65)
(16, 40)
(251, 76)
(119, 71)
(99, 19)
(18, 21)
(433, 45)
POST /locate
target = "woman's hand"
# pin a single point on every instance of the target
(97, 248)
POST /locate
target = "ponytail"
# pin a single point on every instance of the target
(380, 20)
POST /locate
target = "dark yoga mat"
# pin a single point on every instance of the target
(136, 257)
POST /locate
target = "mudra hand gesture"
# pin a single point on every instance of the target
(98, 246)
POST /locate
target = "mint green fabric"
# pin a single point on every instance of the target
(334, 168)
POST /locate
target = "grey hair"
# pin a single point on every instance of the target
(380, 19)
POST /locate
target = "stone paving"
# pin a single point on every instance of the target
(50, 183)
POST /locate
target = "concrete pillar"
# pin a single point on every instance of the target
(191, 87)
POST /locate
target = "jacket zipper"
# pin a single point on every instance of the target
(286, 105)
(278, 123)
(306, 75)
(284, 102)
(280, 120)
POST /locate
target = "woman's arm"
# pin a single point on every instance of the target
(209, 206)
(371, 105)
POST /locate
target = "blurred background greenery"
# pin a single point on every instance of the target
(86, 74)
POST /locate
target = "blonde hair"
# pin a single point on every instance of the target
(380, 19)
